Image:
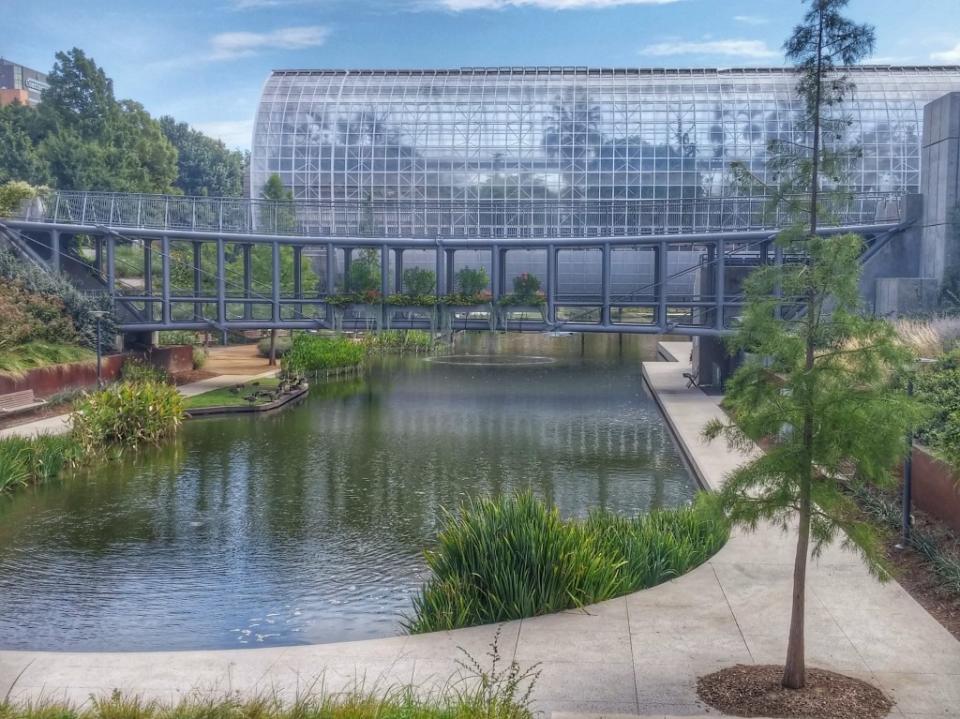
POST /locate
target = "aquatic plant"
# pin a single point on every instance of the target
(25, 461)
(513, 556)
(314, 353)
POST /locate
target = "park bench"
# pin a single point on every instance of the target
(17, 402)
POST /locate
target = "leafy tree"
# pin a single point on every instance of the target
(819, 374)
(204, 165)
(19, 156)
(79, 96)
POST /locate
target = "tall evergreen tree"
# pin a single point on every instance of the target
(819, 374)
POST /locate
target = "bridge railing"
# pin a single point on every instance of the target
(482, 219)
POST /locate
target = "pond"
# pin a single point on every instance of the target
(308, 525)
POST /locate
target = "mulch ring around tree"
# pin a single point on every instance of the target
(755, 691)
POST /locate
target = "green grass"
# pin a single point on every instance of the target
(24, 462)
(225, 398)
(31, 355)
(513, 556)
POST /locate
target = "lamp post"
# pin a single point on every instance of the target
(99, 315)
(906, 520)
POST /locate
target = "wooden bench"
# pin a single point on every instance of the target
(17, 402)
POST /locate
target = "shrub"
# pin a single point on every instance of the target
(199, 357)
(364, 273)
(938, 386)
(177, 337)
(313, 353)
(419, 282)
(137, 370)
(472, 282)
(513, 557)
(78, 306)
(127, 414)
(17, 360)
(281, 347)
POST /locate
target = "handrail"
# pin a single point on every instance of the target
(506, 219)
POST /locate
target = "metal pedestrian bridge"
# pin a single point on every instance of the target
(658, 266)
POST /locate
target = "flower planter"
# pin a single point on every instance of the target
(369, 314)
(450, 313)
(426, 313)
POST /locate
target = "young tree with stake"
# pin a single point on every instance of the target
(819, 374)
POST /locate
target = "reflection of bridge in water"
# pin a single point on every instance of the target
(659, 265)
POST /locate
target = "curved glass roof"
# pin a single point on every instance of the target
(539, 137)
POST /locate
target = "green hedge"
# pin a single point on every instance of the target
(513, 557)
(127, 414)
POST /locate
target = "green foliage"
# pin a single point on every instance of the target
(411, 300)
(419, 282)
(281, 347)
(38, 459)
(513, 556)
(177, 337)
(27, 316)
(127, 414)
(199, 357)
(364, 273)
(13, 194)
(314, 353)
(526, 291)
(472, 282)
(938, 387)
(78, 306)
(835, 408)
(204, 165)
(81, 137)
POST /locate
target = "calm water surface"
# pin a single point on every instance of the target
(308, 525)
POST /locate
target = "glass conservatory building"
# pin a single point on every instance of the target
(543, 151)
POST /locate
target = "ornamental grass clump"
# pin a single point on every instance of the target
(28, 461)
(127, 414)
(513, 556)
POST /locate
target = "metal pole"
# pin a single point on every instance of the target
(721, 283)
(247, 281)
(398, 278)
(276, 281)
(298, 278)
(55, 250)
(551, 283)
(661, 285)
(197, 279)
(907, 483)
(99, 354)
(111, 266)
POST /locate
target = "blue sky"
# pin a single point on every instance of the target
(204, 61)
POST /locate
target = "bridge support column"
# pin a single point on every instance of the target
(221, 285)
(111, 266)
(605, 284)
(347, 262)
(275, 284)
(721, 284)
(551, 284)
(451, 274)
(661, 285)
(247, 281)
(329, 279)
(495, 273)
(165, 279)
(197, 279)
(438, 266)
(298, 279)
(712, 363)
(55, 250)
(398, 265)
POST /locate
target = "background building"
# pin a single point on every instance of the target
(20, 84)
(558, 151)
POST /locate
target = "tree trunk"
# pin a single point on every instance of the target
(273, 348)
(795, 672)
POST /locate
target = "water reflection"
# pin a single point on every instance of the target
(308, 525)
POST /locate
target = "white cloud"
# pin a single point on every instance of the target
(228, 45)
(233, 133)
(751, 19)
(461, 5)
(259, 4)
(752, 49)
(948, 56)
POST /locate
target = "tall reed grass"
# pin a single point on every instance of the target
(930, 337)
(513, 556)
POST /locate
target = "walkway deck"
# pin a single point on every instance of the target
(639, 654)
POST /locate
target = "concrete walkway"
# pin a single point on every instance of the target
(639, 654)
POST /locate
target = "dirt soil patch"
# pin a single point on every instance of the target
(916, 574)
(755, 691)
(191, 376)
